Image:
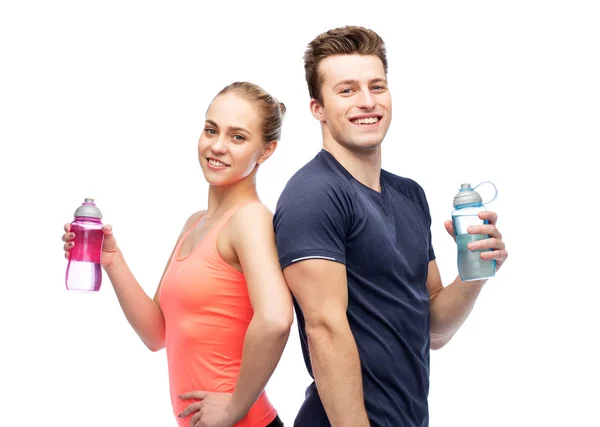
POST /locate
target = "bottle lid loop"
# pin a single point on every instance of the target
(468, 196)
(495, 191)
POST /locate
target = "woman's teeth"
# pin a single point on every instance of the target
(216, 163)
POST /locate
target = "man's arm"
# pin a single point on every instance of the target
(321, 289)
(451, 305)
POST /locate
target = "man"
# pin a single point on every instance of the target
(355, 245)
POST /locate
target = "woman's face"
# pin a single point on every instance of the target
(231, 145)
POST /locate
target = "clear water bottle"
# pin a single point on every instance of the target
(467, 205)
(84, 272)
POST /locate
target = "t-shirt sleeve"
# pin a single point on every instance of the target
(311, 221)
(425, 206)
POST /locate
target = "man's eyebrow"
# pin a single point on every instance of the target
(354, 82)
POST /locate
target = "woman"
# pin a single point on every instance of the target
(222, 309)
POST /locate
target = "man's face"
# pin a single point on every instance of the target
(357, 105)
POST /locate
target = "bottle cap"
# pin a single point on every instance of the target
(88, 209)
(467, 195)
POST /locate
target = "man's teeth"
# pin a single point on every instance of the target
(216, 163)
(366, 121)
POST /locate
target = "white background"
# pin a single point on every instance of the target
(107, 99)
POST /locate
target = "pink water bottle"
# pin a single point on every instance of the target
(84, 272)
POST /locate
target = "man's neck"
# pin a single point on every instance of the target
(364, 165)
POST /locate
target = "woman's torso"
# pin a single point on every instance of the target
(207, 311)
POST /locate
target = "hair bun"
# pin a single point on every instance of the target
(282, 108)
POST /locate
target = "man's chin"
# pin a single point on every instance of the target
(360, 143)
(368, 144)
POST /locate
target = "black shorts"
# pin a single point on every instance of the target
(276, 422)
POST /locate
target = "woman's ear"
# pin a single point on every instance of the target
(269, 150)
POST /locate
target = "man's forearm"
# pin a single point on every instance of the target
(336, 368)
(451, 307)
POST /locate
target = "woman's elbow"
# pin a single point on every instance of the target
(283, 323)
(278, 323)
(155, 347)
(155, 344)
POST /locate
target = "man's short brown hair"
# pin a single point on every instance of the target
(346, 40)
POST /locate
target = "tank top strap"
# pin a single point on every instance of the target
(230, 213)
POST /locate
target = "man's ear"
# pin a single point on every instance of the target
(317, 110)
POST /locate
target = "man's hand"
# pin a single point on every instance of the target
(494, 242)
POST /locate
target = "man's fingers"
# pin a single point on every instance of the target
(499, 255)
(486, 244)
(492, 217)
(449, 227)
(488, 229)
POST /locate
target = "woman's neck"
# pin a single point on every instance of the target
(223, 198)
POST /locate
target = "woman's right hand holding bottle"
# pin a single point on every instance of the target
(110, 250)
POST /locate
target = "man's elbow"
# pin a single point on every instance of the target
(439, 341)
(322, 325)
(437, 344)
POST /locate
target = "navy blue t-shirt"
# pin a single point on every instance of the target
(384, 240)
